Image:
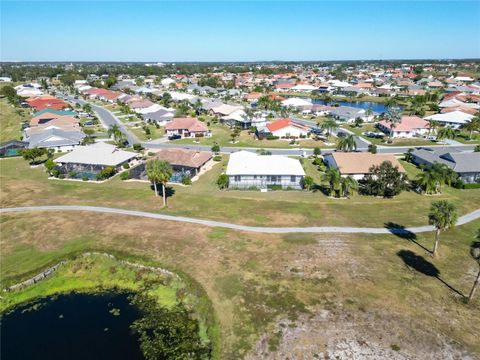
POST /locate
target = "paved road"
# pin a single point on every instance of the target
(258, 229)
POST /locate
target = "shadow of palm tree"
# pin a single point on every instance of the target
(403, 233)
(418, 263)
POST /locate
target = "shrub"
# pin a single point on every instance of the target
(126, 165)
(72, 174)
(106, 173)
(477, 148)
(217, 158)
(61, 176)
(471, 186)
(275, 187)
(372, 148)
(317, 151)
(125, 175)
(85, 178)
(55, 173)
(186, 180)
(271, 137)
(223, 181)
(137, 147)
(149, 153)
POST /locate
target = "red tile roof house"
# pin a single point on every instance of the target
(187, 128)
(286, 128)
(408, 127)
(284, 87)
(43, 103)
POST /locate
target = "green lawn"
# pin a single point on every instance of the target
(11, 119)
(22, 185)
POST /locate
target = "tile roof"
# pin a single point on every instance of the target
(360, 163)
(184, 157)
(191, 124)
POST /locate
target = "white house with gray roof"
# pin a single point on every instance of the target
(57, 139)
(249, 170)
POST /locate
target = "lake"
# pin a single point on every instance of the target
(73, 326)
(376, 107)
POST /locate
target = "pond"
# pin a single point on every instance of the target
(376, 107)
(72, 326)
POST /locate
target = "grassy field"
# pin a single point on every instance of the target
(11, 119)
(21, 185)
(279, 296)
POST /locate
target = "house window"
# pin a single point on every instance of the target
(292, 178)
(237, 178)
(254, 177)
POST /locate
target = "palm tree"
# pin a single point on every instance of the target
(347, 143)
(348, 184)
(153, 173)
(432, 126)
(428, 180)
(334, 179)
(117, 134)
(472, 125)
(165, 172)
(329, 125)
(475, 253)
(393, 117)
(446, 133)
(443, 215)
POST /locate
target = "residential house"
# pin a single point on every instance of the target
(185, 163)
(286, 128)
(465, 164)
(358, 164)
(89, 160)
(249, 170)
(454, 119)
(349, 114)
(54, 138)
(187, 128)
(12, 148)
(408, 127)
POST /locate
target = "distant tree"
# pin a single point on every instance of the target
(358, 122)
(347, 143)
(443, 215)
(307, 183)
(317, 152)
(235, 133)
(408, 156)
(223, 181)
(475, 253)
(384, 180)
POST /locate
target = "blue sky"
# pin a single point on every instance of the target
(238, 30)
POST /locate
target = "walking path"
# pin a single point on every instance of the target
(474, 215)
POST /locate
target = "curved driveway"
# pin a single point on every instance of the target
(259, 229)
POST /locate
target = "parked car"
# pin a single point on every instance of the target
(174, 137)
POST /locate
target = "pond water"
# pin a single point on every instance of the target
(73, 326)
(376, 107)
